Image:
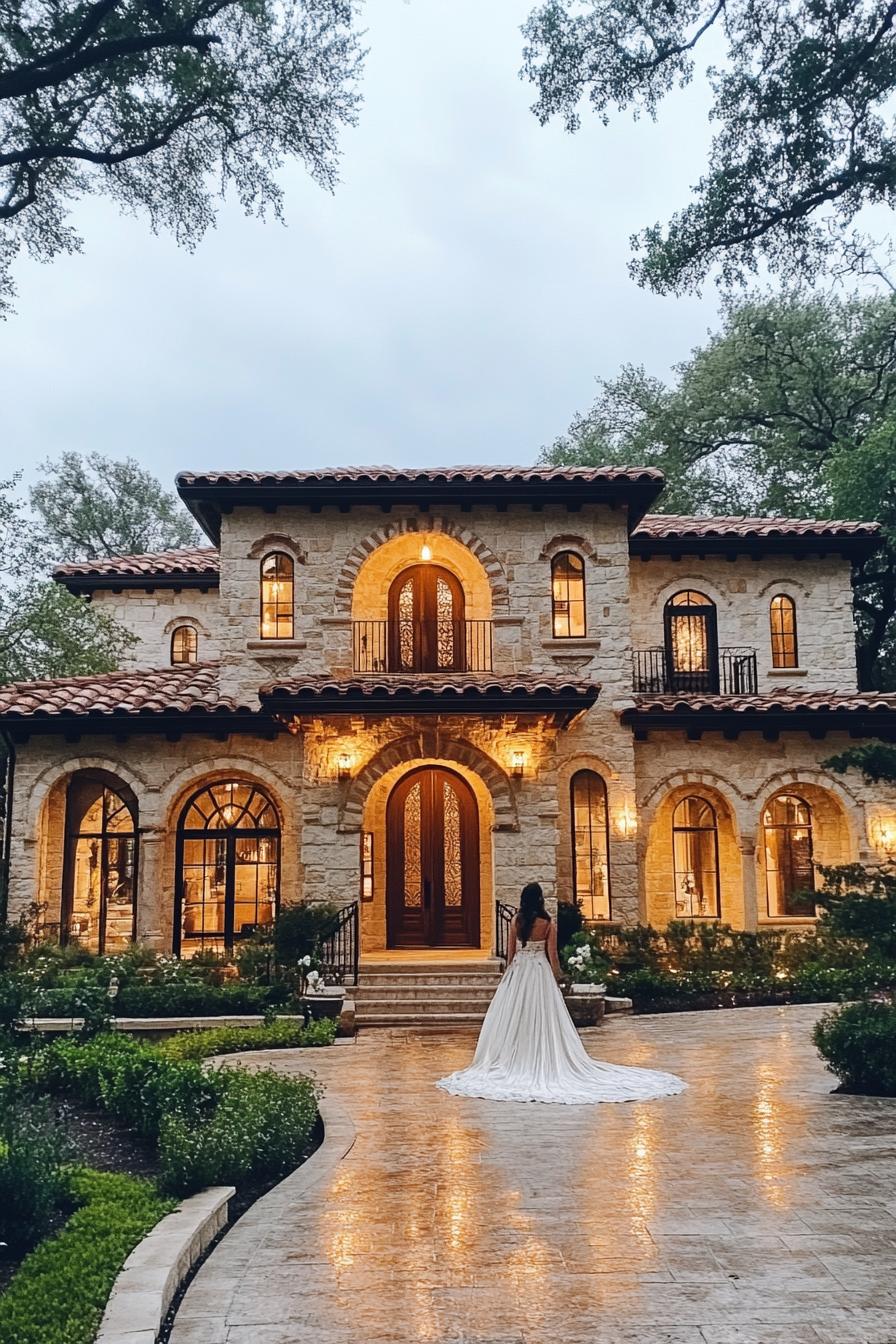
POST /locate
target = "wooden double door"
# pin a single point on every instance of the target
(432, 861)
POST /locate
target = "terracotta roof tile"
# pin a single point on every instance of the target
(202, 560)
(422, 476)
(171, 690)
(666, 525)
(424, 687)
(816, 702)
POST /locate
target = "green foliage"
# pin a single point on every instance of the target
(60, 1291)
(876, 760)
(33, 1156)
(261, 1126)
(790, 409)
(860, 909)
(859, 1044)
(91, 507)
(44, 631)
(278, 1035)
(804, 126)
(299, 930)
(211, 1125)
(582, 961)
(569, 921)
(158, 106)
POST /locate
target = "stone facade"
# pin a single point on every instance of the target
(330, 777)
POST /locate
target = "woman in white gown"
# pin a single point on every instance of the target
(528, 1048)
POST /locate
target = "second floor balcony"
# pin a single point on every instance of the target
(673, 671)
(439, 645)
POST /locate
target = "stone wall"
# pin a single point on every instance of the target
(742, 591)
(153, 616)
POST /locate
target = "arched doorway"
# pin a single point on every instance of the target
(432, 861)
(692, 646)
(426, 621)
(228, 866)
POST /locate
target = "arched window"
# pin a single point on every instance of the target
(590, 844)
(277, 596)
(184, 644)
(99, 868)
(568, 595)
(787, 849)
(695, 852)
(782, 619)
(228, 866)
(692, 650)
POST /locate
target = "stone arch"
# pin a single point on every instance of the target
(692, 779)
(414, 748)
(658, 862)
(837, 823)
(179, 788)
(57, 773)
(193, 621)
(494, 570)
(696, 582)
(567, 541)
(276, 541)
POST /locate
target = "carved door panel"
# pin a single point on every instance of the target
(426, 621)
(432, 861)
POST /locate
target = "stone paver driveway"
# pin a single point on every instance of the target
(755, 1208)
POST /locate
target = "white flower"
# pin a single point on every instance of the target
(306, 961)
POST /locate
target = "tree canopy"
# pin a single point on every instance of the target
(789, 409)
(44, 631)
(805, 132)
(158, 104)
(92, 506)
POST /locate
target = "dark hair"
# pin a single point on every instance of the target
(531, 908)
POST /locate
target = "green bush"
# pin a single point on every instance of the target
(183, 999)
(260, 1127)
(33, 1156)
(202, 1120)
(299, 930)
(228, 1040)
(858, 1043)
(60, 1291)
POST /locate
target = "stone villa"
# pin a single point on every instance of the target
(411, 692)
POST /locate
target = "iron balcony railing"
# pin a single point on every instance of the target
(340, 949)
(422, 646)
(733, 672)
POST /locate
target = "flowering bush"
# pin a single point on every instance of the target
(582, 963)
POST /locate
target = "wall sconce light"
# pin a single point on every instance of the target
(627, 822)
(426, 551)
(517, 764)
(344, 766)
(883, 834)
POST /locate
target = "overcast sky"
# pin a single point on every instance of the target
(452, 302)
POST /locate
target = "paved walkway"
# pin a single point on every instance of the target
(756, 1208)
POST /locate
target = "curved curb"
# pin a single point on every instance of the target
(157, 1266)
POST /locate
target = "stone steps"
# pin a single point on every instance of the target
(421, 994)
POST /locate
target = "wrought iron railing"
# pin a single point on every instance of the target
(504, 915)
(340, 949)
(732, 673)
(422, 646)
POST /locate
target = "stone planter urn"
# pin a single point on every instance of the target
(324, 1002)
(586, 1004)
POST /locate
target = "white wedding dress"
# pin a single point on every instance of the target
(529, 1050)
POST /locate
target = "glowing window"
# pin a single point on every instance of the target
(568, 595)
(695, 850)
(787, 852)
(590, 844)
(184, 644)
(782, 619)
(277, 596)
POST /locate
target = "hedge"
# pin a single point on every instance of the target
(278, 1035)
(215, 1126)
(191, 999)
(59, 1293)
(858, 1043)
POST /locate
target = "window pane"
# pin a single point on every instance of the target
(568, 595)
(787, 848)
(277, 597)
(184, 645)
(782, 617)
(590, 845)
(695, 859)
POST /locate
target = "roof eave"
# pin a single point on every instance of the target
(80, 585)
(797, 544)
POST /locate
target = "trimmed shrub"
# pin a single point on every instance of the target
(858, 1043)
(33, 1154)
(60, 1291)
(179, 999)
(278, 1035)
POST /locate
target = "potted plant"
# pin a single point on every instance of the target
(321, 999)
(585, 997)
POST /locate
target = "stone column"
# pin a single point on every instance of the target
(153, 919)
(747, 848)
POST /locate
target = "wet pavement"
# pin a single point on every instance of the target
(755, 1208)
